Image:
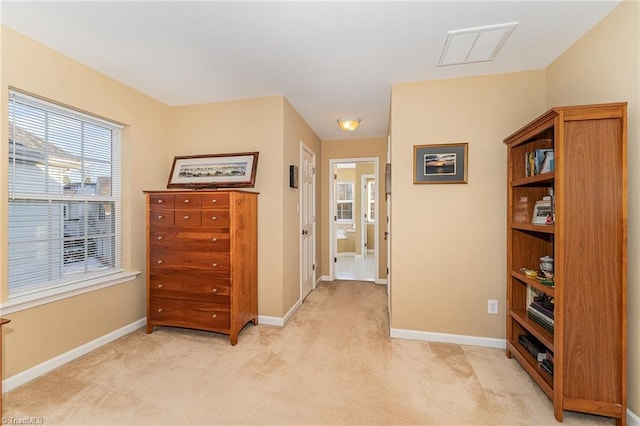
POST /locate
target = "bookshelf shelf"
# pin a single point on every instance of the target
(586, 306)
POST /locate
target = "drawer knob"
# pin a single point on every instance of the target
(215, 290)
(160, 285)
(186, 201)
(160, 261)
(214, 316)
(160, 309)
(214, 239)
(160, 237)
(160, 201)
(160, 217)
(215, 265)
(186, 217)
(214, 200)
(213, 218)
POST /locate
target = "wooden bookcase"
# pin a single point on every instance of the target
(588, 241)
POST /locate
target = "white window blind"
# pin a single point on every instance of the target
(64, 196)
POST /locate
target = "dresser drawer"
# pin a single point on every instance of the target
(161, 200)
(215, 200)
(188, 201)
(187, 217)
(215, 218)
(185, 313)
(201, 286)
(214, 262)
(188, 238)
(160, 217)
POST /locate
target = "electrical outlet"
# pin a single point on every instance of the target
(492, 306)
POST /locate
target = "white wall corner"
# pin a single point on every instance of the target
(459, 339)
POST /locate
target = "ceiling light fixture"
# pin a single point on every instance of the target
(348, 124)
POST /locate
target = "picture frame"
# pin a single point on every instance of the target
(212, 171)
(440, 163)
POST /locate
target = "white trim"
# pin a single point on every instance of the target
(278, 321)
(448, 338)
(333, 249)
(346, 254)
(53, 363)
(267, 320)
(382, 281)
(632, 418)
(326, 278)
(53, 295)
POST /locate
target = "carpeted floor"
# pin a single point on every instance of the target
(333, 363)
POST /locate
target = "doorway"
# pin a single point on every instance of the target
(354, 225)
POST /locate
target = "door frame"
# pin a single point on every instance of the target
(303, 148)
(332, 211)
(364, 202)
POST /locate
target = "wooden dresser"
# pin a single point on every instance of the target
(202, 263)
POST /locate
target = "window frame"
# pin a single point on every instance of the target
(346, 201)
(36, 294)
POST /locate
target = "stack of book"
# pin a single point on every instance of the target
(539, 161)
(544, 211)
(540, 310)
(533, 346)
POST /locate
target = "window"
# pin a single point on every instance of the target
(371, 201)
(344, 208)
(64, 197)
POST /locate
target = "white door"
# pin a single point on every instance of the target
(387, 231)
(307, 220)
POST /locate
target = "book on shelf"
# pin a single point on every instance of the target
(533, 346)
(544, 160)
(547, 366)
(542, 213)
(544, 310)
(539, 161)
(540, 319)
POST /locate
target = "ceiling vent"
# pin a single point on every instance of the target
(479, 44)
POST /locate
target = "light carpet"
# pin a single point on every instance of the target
(333, 363)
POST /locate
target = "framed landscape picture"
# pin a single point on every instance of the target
(440, 163)
(214, 171)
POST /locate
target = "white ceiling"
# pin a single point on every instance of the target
(329, 59)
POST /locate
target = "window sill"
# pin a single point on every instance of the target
(32, 300)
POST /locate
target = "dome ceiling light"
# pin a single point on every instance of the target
(348, 124)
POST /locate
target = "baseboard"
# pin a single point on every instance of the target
(326, 278)
(53, 363)
(448, 338)
(382, 281)
(277, 321)
(632, 418)
(346, 254)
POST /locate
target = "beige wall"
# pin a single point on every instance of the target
(449, 241)
(271, 126)
(38, 334)
(603, 66)
(347, 149)
(296, 131)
